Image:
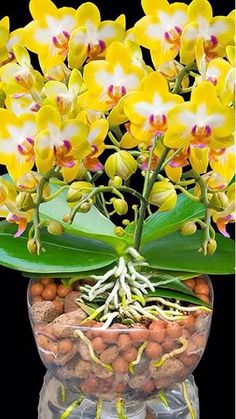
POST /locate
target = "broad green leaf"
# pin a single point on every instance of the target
(161, 224)
(177, 296)
(171, 283)
(180, 253)
(91, 224)
(75, 276)
(65, 254)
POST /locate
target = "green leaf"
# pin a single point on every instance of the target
(65, 254)
(92, 224)
(161, 224)
(164, 293)
(172, 283)
(180, 253)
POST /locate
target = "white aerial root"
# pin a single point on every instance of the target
(178, 306)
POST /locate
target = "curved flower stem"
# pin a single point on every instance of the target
(113, 139)
(170, 158)
(207, 220)
(181, 76)
(144, 204)
(72, 407)
(188, 403)
(55, 194)
(186, 193)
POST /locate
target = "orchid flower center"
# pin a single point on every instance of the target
(61, 42)
(115, 93)
(158, 123)
(181, 160)
(209, 46)
(25, 78)
(26, 149)
(173, 37)
(62, 156)
(93, 50)
(200, 136)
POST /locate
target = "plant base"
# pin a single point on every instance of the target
(172, 404)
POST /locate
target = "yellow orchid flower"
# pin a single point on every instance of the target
(216, 32)
(227, 87)
(22, 104)
(7, 41)
(160, 31)
(20, 78)
(8, 208)
(147, 109)
(109, 80)
(91, 37)
(202, 122)
(17, 135)
(62, 97)
(222, 162)
(58, 142)
(222, 218)
(59, 73)
(49, 33)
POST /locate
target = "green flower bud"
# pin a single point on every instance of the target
(119, 231)
(24, 201)
(219, 201)
(120, 206)
(163, 195)
(120, 164)
(85, 207)
(188, 228)
(55, 228)
(211, 247)
(32, 246)
(125, 222)
(78, 190)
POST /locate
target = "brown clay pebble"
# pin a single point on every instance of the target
(130, 354)
(59, 305)
(98, 345)
(109, 336)
(69, 301)
(200, 280)
(46, 281)
(36, 289)
(201, 289)
(188, 322)
(173, 330)
(48, 357)
(185, 333)
(189, 361)
(148, 386)
(153, 350)
(42, 341)
(65, 346)
(53, 347)
(62, 291)
(89, 385)
(124, 342)
(189, 283)
(49, 292)
(139, 333)
(157, 332)
(120, 365)
(109, 355)
(203, 297)
(119, 388)
(168, 345)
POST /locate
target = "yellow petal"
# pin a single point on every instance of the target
(48, 117)
(76, 132)
(75, 81)
(151, 7)
(41, 8)
(198, 158)
(22, 55)
(117, 53)
(199, 10)
(88, 15)
(225, 163)
(128, 141)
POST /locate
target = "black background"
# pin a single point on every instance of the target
(21, 369)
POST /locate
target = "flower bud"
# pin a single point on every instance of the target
(116, 182)
(78, 190)
(125, 222)
(120, 206)
(120, 164)
(219, 201)
(119, 231)
(163, 195)
(188, 228)
(32, 247)
(85, 207)
(55, 228)
(211, 247)
(24, 201)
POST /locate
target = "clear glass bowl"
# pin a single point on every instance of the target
(133, 362)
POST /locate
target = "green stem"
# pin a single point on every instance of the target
(113, 139)
(207, 220)
(55, 194)
(112, 147)
(144, 203)
(116, 129)
(181, 76)
(170, 158)
(186, 193)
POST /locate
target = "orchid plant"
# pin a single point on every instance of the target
(118, 168)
